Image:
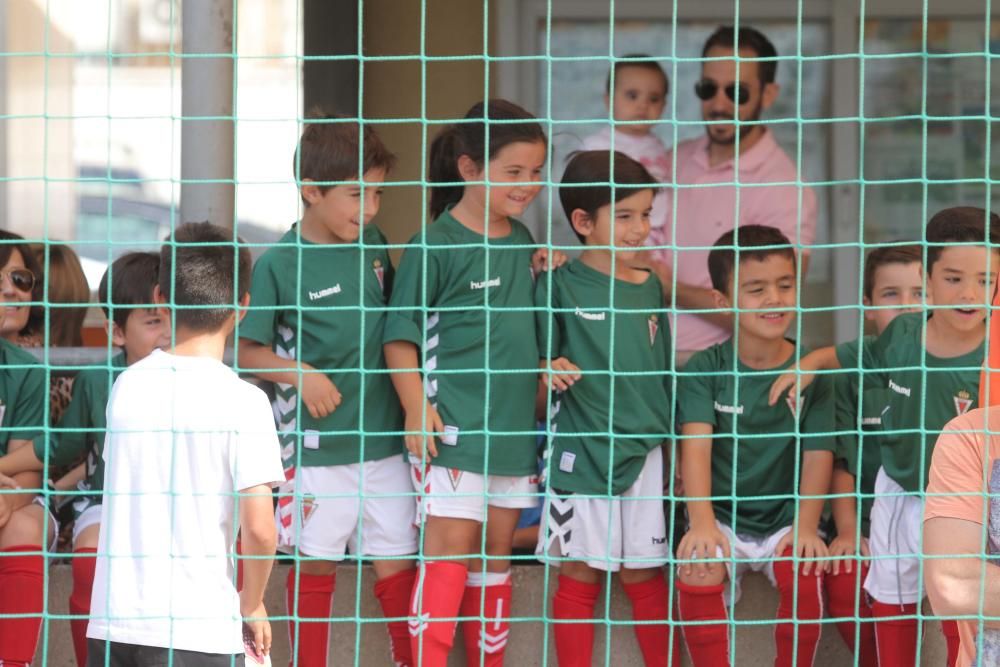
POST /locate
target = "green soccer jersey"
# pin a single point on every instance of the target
(861, 454)
(81, 430)
(466, 300)
(924, 393)
(756, 448)
(24, 396)
(325, 305)
(605, 425)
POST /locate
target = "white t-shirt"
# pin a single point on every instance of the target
(648, 151)
(185, 434)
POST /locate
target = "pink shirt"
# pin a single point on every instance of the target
(707, 211)
(648, 151)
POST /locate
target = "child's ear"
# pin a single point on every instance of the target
(115, 333)
(722, 301)
(468, 169)
(244, 305)
(311, 193)
(583, 223)
(866, 302)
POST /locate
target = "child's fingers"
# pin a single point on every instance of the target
(431, 447)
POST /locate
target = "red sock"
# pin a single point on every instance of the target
(436, 595)
(896, 638)
(845, 600)
(22, 580)
(951, 639)
(574, 600)
(799, 599)
(707, 643)
(485, 641)
(393, 594)
(79, 600)
(651, 602)
(314, 600)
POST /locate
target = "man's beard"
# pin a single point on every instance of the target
(744, 128)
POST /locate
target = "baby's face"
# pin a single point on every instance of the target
(639, 96)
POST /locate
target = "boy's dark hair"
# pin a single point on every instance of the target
(469, 138)
(9, 242)
(595, 167)
(132, 278)
(885, 255)
(747, 38)
(757, 242)
(206, 268)
(642, 61)
(960, 224)
(328, 151)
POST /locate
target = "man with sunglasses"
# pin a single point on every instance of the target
(736, 148)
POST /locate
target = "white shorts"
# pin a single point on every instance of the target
(628, 531)
(366, 508)
(88, 517)
(896, 526)
(460, 494)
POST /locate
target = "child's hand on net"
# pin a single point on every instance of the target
(844, 545)
(810, 547)
(702, 543)
(563, 374)
(319, 395)
(544, 260)
(421, 429)
(791, 384)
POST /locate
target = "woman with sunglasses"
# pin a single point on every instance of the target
(20, 284)
(24, 524)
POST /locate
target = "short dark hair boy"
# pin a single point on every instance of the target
(582, 186)
(749, 242)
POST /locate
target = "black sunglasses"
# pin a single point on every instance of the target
(706, 89)
(22, 280)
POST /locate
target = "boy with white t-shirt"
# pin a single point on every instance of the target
(190, 447)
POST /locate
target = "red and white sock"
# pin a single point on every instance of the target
(437, 595)
(574, 601)
(485, 641)
(845, 599)
(949, 629)
(651, 602)
(22, 581)
(84, 563)
(896, 638)
(310, 596)
(394, 593)
(707, 642)
(800, 599)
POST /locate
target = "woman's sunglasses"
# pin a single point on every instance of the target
(706, 89)
(23, 280)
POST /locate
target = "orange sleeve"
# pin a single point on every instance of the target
(959, 466)
(989, 383)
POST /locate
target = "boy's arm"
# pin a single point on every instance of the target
(845, 518)
(259, 540)
(30, 481)
(22, 459)
(422, 420)
(804, 539)
(704, 538)
(319, 394)
(795, 382)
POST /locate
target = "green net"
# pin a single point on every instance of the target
(123, 120)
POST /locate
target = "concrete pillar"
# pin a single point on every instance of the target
(207, 127)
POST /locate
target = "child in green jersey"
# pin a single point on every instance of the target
(24, 526)
(930, 367)
(315, 329)
(741, 458)
(463, 298)
(133, 324)
(602, 327)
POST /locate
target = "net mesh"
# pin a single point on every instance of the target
(881, 115)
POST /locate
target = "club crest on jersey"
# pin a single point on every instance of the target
(379, 271)
(307, 506)
(963, 401)
(654, 326)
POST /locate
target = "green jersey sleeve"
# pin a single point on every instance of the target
(696, 392)
(26, 418)
(413, 294)
(547, 317)
(259, 324)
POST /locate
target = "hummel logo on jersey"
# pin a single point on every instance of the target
(963, 401)
(871, 421)
(324, 292)
(905, 391)
(729, 409)
(659, 540)
(483, 284)
(594, 317)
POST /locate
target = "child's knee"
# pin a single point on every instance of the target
(714, 574)
(318, 568)
(25, 526)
